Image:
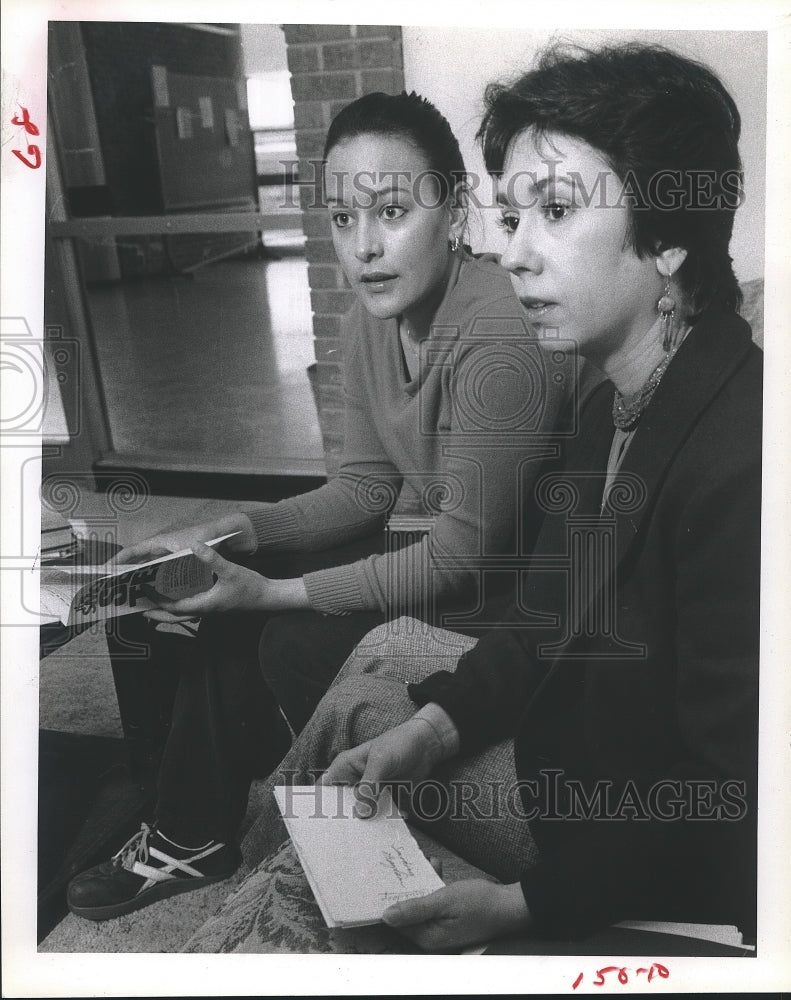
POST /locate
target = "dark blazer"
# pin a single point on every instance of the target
(629, 673)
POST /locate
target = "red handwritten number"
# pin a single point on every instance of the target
(31, 129)
(25, 121)
(662, 972)
(623, 974)
(599, 980)
(31, 151)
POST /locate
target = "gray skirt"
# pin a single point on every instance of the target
(466, 815)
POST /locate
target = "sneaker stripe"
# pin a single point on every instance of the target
(151, 875)
(154, 875)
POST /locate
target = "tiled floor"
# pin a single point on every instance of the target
(209, 372)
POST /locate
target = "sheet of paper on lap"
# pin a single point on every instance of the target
(355, 867)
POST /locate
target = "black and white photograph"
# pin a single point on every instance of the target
(394, 499)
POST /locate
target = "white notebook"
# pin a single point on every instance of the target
(355, 867)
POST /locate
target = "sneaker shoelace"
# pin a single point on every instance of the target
(135, 855)
(135, 849)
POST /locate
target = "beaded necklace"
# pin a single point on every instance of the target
(626, 413)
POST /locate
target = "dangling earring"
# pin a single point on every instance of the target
(455, 243)
(667, 309)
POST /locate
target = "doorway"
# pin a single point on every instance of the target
(175, 251)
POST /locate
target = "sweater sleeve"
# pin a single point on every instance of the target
(502, 405)
(336, 512)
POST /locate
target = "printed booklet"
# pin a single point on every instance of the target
(80, 595)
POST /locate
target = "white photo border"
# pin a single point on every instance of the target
(28, 973)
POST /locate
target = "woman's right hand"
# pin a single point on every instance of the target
(174, 541)
(409, 752)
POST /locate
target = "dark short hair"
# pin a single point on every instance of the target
(407, 116)
(655, 116)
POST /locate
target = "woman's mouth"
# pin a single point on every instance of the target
(536, 308)
(377, 281)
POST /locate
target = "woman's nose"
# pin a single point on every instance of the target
(521, 252)
(368, 244)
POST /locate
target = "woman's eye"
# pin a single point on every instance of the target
(556, 211)
(509, 223)
(341, 220)
(392, 212)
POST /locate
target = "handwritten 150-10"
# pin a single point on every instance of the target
(32, 150)
(623, 974)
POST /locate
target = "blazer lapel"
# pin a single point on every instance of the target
(713, 349)
(711, 352)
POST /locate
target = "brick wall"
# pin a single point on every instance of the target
(330, 65)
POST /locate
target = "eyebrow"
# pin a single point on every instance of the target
(539, 186)
(366, 192)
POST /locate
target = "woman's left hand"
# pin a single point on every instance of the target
(235, 589)
(464, 913)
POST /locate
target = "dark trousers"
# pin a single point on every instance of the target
(226, 726)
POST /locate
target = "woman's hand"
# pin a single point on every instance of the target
(408, 752)
(174, 541)
(236, 589)
(464, 913)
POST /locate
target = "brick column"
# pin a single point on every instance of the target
(331, 65)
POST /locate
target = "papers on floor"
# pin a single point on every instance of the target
(79, 595)
(355, 867)
(58, 540)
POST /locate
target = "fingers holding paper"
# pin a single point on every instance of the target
(402, 753)
(348, 768)
(405, 754)
(236, 588)
(239, 526)
(469, 912)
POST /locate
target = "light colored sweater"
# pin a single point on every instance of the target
(464, 429)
